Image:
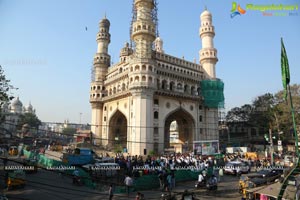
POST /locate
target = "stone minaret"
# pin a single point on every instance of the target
(208, 60)
(142, 77)
(143, 28)
(101, 64)
(208, 54)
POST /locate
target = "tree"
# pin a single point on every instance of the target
(269, 111)
(239, 114)
(5, 92)
(262, 115)
(282, 111)
(31, 119)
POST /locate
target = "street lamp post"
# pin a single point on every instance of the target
(271, 146)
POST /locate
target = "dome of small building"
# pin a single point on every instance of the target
(29, 108)
(17, 102)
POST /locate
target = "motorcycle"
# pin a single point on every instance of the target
(167, 196)
(201, 184)
(188, 196)
(77, 181)
(212, 184)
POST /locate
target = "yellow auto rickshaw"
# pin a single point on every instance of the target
(16, 179)
(13, 151)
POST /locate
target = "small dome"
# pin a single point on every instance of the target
(205, 13)
(17, 102)
(126, 50)
(158, 39)
(29, 107)
(158, 45)
(105, 22)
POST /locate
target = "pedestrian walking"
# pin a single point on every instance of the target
(173, 179)
(161, 180)
(128, 183)
(169, 179)
(166, 183)
(110, 192)
(221, 173)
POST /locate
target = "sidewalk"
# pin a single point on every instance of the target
(226, 190)
(156, 193)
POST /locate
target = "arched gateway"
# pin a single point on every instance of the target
(185, 130)
(117, 132)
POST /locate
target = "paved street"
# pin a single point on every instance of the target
(50, 185)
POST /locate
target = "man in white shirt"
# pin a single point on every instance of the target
(200, 178)
(128, 182)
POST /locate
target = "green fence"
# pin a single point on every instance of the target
(147, 182)
(44, 161)
(144, 182)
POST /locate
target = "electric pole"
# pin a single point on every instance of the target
(271, 146)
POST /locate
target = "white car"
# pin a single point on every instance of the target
(236, 168)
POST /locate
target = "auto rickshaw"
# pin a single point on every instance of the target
(16, 179)
(13, 151)
(243, 184)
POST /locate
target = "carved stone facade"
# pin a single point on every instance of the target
(135, 100)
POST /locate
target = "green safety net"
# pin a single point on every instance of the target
(146, 182)
(212, 91)
(142, 183)
(45, 162)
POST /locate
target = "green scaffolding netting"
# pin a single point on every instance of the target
(212, 92)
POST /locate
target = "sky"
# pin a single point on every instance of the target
(46, 51)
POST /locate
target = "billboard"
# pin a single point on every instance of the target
(206, 147)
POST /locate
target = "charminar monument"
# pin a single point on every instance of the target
(135, 100)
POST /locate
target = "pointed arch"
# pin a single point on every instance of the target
(117, 130)
(186, 128)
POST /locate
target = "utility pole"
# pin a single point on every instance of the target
(80, 118)
(271, 146)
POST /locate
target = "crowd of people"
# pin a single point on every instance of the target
(164, 166)
(153, 164)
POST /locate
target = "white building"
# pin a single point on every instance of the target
(135, 100)
(13, 112)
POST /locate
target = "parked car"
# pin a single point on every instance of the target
(262, 177)
(237, 168)
(267, 176)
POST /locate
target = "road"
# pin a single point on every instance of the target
(49, 185)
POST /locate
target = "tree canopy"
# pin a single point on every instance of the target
(269, 111)
(31, 119)
(5, 91)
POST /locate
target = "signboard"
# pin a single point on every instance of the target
(208, 147)
(279, 143)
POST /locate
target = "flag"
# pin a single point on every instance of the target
(285, 71)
